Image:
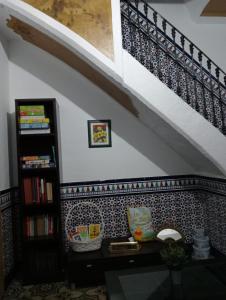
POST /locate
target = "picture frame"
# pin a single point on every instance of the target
(99, 133)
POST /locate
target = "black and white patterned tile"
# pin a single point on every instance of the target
(185, 202)
(182, 201)
(130, 186)
(5, 199)
(171, 199)
(216, 220)
(213, 185)
(7, 227)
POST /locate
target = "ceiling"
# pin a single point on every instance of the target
(215, 8)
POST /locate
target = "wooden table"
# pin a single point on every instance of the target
(88, 268)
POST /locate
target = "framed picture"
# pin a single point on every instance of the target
(99, 133)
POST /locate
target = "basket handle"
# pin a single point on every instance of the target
(91, 204)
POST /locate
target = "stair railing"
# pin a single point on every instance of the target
(175, 60)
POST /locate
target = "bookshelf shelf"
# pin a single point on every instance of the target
(38, 170)
(39, 185)
(37, 135)
(32, 209)
(41, 239)
(41, 243)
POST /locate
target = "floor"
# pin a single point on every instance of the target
(53, 291)
(199, 283)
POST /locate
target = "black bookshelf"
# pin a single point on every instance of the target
(39, 189)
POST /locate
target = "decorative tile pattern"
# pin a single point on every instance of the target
(142, 185)
(186, 202)
(6, 208)
(131, 186)
(179, 209)
(216, 220)
(213, 185)
(5, 199)
(8, 240)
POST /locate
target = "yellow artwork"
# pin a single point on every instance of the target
(99, 133)
(91, 19)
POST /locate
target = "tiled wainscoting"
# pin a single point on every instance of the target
(186, 202)
(6, 206)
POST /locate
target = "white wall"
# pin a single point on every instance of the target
(4, 109)
(207, 33)
(136, 151)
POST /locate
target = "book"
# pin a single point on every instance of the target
(94, 230)
(83, 232)
(35, 157)
(32, 110)
(27, 185)
(34, 126)
(36, 166)
(36, 161)
(42, 190)
(49, 192)
(35, 131)
(38, 196)
(50, 225)
(32, 120)
(40, 225)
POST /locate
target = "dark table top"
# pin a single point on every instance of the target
(147, 248)
(199, 282)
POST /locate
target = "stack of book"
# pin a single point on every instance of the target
(36, 161)
(40, 225)
(32, 120)
(37, 190)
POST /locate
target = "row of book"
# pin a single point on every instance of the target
(32, 119)
(40, 225)
(37, 161)
(37, 190)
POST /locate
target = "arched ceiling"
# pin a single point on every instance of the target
(90, 19)
(215, 8)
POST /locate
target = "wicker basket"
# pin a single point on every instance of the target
(90, 244)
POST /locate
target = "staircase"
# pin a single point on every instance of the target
(174, 60)
(157, 69)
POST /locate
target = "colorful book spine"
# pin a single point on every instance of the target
(38, 161)
(32, 110)
(38, 226)
(35, 131)
(33, 120)
(34, 126)
(35, 157)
